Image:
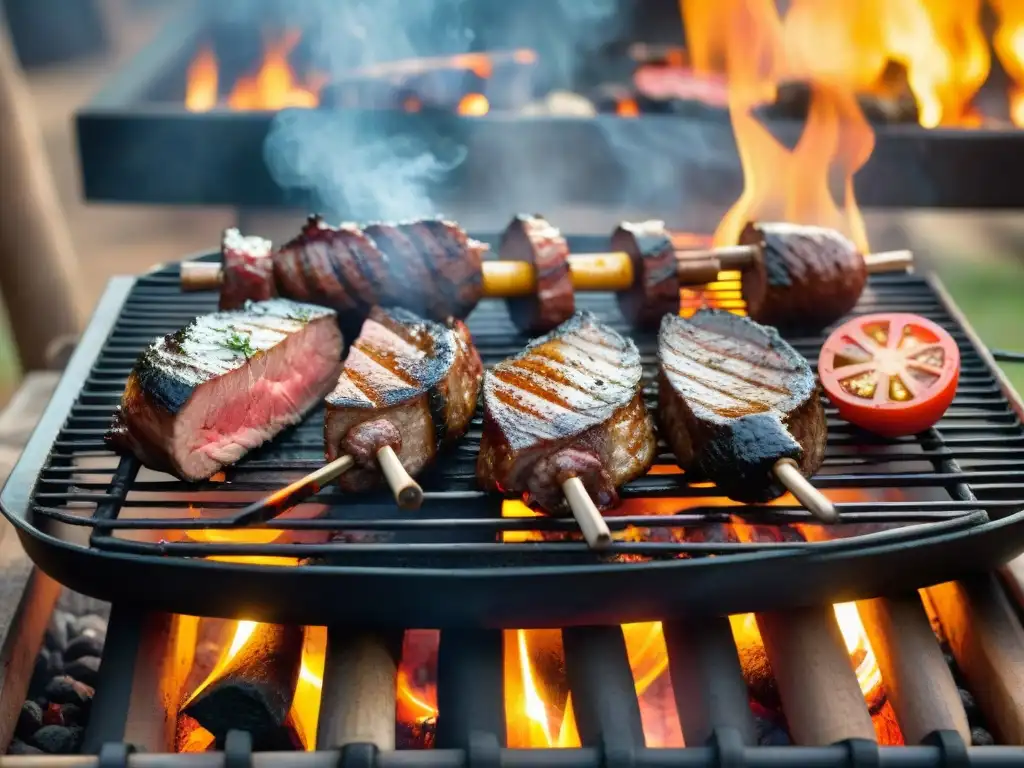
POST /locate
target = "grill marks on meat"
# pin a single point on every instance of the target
(201, 398)
(420, 376)
(569, 403)
(806, 276)
(429, 266)
(534, 240)
(733, 399)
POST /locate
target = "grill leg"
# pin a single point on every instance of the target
(470, 687)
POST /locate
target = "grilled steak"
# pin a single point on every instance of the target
(733, 399)
(806, 276)
(568, 405)
(248, 270)
(429, 266)
(408, 383)
(203, 397)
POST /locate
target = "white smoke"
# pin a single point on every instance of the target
(365, 168)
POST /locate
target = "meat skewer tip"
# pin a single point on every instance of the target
(588, 517)
(787, 472)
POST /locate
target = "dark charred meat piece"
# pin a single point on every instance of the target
(201, 398)
(570, 403)
(655, 290)
(533, 240)
(419, 377)
(248, 270)
(338, 267)
(807, 276)
(435, 267)
(733, 399)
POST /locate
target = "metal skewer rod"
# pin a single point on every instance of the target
(592, 524)
(788, 473)
(407, 492)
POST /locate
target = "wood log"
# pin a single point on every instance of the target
(987, 642)
(38, 268)
(254, 691)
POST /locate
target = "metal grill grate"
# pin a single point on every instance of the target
(915, 510)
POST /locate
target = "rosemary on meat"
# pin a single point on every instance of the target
(238, 342)
(302, 314)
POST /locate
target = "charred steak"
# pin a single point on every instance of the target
(409, 383)
(568, 405)
(733, 399)
(201, 398)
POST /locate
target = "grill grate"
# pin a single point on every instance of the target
(915, 510)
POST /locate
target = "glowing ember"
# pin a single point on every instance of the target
(474, 105)
(272, 86)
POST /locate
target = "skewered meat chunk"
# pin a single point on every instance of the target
(569, 404)
(408, 383)
(733, 399)
(533, 240)
(248, 270)
(655, 289)
(429, 266)
(806, 276)
(200, 399)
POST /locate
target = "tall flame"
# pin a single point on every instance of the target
(1008, 42)
(779, 183)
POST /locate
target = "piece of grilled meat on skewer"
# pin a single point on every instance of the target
(740, 406)
(567, 412)
(408, 384)
(200, 399)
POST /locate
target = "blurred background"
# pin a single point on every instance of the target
(167, 151)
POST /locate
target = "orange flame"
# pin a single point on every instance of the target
(474, 105)
(273, 86)
(782, 184)
(1008, 42)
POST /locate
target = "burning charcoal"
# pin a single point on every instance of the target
(254, 693)
(52, 715)
(19, 747)
(30, 720)
(416, 735)
(83, 645)
(794, 98)
(981, 738)
(85, 669)
(58, 739)
(67, 690)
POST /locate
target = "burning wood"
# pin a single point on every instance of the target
(253, 687)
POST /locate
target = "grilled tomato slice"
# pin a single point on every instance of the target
(892, 374)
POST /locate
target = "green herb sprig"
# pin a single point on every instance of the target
(238, 342)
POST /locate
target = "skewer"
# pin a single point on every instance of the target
(592, 525)
(741, 256)
(407, 492)
(814, 501)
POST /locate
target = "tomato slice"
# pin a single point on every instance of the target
(892, 373)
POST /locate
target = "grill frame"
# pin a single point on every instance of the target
(577, 594)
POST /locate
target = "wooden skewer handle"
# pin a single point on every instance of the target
(888, 261)
(408, 494)
(280, 501)
(200, 276)
(359, 690)
(592, 524)
(788, 473)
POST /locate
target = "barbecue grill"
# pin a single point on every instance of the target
(924, 509)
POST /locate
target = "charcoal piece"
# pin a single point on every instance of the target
(90, 624)
(67, 690)
(793, 102)
(19, 747)
(72, 714)
(771, 734)
(83, 645)
(981, 738)
(254, 693)
(52, 715)
(968, 703)
(56, 638)
(85, 669)
(30, 720)
(58, 739)
(55, 663)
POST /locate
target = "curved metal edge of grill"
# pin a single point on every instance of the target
(517, 597)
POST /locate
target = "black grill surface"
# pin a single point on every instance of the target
(915, 511)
